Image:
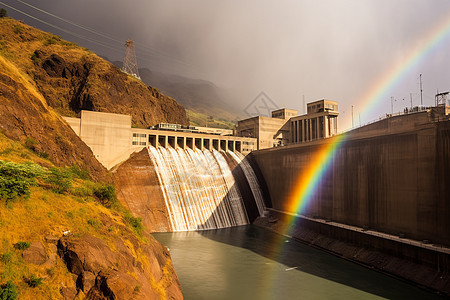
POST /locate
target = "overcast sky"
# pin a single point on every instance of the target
(333, 49)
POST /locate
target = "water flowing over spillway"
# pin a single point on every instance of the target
(199, 189)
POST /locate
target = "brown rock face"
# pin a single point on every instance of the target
(138, 188)
(25, 116)
(131, 271)
(90, 83)
(35, 254)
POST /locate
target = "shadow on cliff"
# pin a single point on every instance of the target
(297, 256)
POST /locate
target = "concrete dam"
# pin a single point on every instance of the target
(392, 176)
(383, 201)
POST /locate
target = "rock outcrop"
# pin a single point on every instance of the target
(132, 271)
(25, 116)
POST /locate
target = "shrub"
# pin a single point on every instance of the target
(34, 281)
(106, 193)
(15, 179)
(23, 245)
(8, 291)
(136, 223)
(7, 257)
(3, 13)
(60, 180)
(83, 191)
(34, 58)
(79, 172)
(11, 188)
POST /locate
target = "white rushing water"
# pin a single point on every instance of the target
(199, 189)
(252, 180)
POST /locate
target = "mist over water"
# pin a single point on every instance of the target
(289, 49)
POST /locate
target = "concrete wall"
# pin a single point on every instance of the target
(268, 131)
(415, 262)
(112, 140)
(108, 135)
(392, 177)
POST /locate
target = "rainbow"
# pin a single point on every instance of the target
(309, 178)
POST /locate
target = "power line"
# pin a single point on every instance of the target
(70, 22)
(59, 28)
(96, 32)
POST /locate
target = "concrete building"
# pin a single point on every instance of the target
(286, 127)
(270, 132)
(112, 140)
(320, 122)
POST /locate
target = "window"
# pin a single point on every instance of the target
(139, 139)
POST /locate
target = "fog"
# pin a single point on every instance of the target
(332, 49)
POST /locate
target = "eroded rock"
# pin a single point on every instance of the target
(35, 254)
(103, 273)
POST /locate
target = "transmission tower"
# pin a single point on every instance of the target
(129, 62)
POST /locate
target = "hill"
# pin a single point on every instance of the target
(63, 233)
(71, 78)
(196, 95)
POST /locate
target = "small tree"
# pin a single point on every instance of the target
(3, 13)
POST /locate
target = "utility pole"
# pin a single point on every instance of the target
(421, 99)
(129, 62)
(410, 98)
(352, 117)
(392, 105)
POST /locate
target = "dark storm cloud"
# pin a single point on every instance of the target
(319, 49)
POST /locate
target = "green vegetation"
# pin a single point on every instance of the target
(34, 58)
(106, 193)
(60, 180)
(45, 201)
(51, 39)
(16, 179)
(3, 13)
(8, 291)
(34, 281)
(23, 245)
(203, 120)
(136, 223)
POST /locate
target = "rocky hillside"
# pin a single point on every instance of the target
(71, 78)
(66, 237)
(26, 117)
(63, 233)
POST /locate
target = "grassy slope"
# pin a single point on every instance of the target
(46, 213)
(200, 119)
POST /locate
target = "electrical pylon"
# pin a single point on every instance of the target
(129, 62)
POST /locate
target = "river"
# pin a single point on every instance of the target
(248, 262)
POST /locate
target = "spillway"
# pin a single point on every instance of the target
(199, 189)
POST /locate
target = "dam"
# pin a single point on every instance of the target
(112, 138)
(381, 202)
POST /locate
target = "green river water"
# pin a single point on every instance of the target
(249, 262)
